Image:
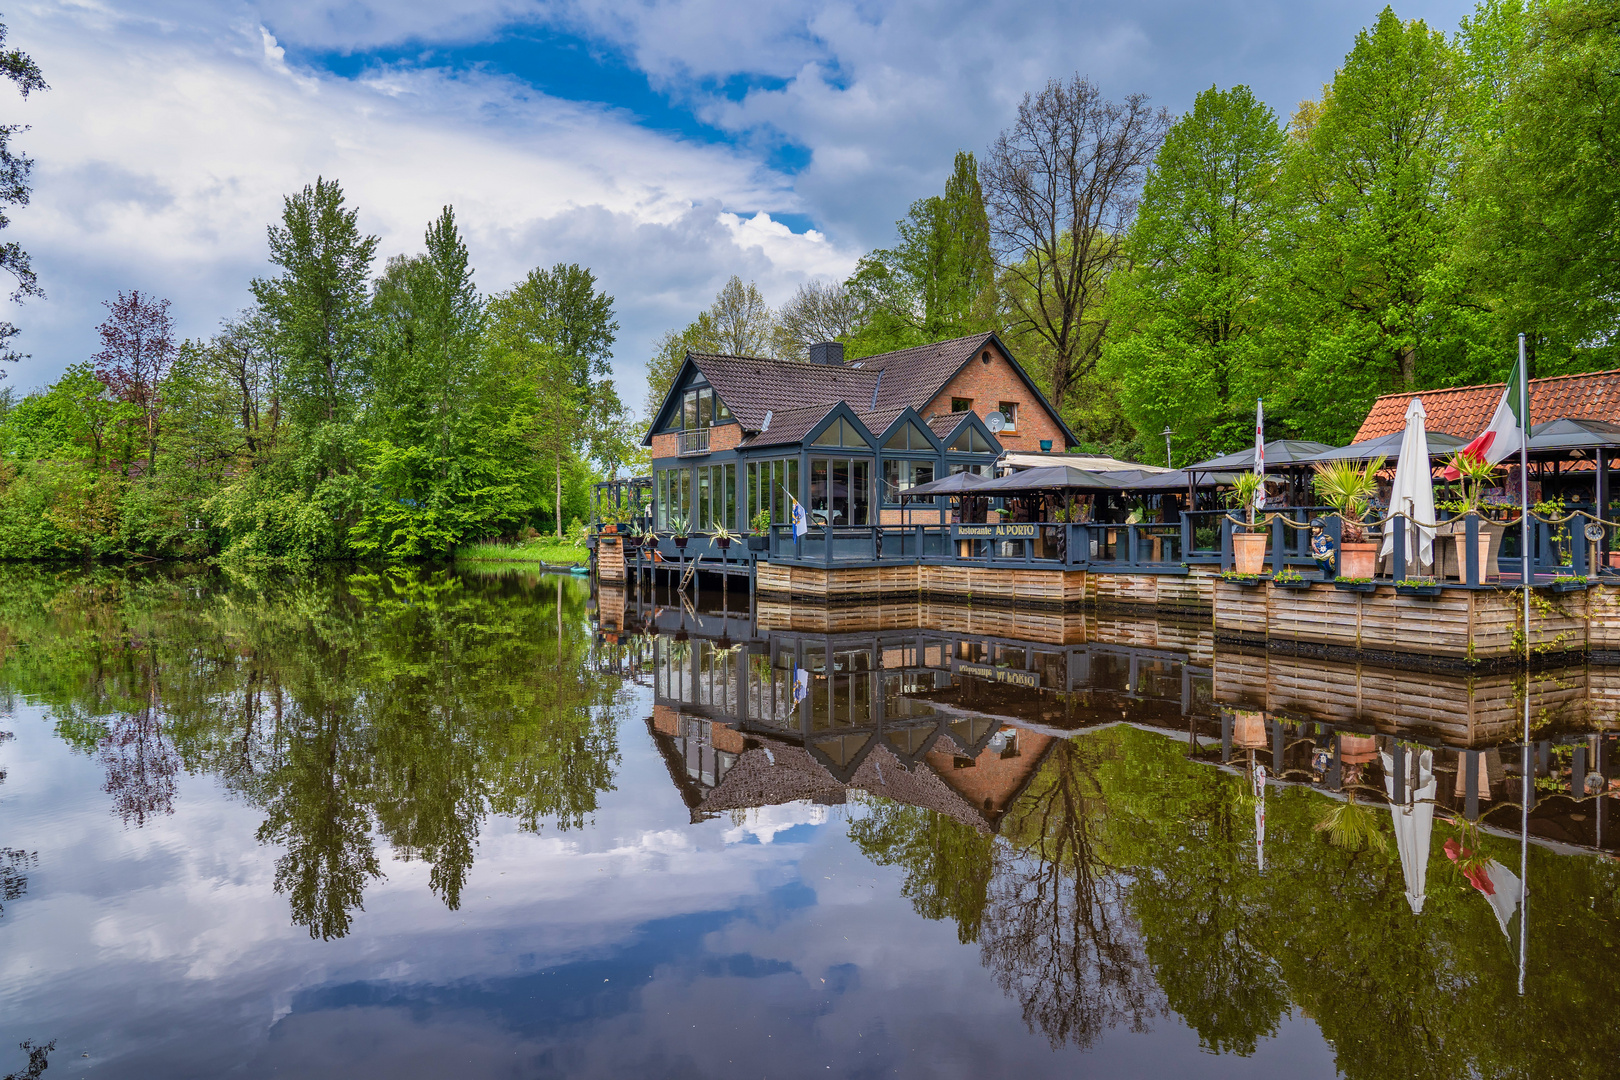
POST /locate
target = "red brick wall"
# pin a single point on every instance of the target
(993, 780)
(989, 385)
(721, 437)
(666, 720)
(723, 737)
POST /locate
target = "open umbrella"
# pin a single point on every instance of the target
(1414, 820)
(955, 484)
(1413, 493)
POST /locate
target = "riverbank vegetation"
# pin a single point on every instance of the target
(1443, 194)
(349, 413)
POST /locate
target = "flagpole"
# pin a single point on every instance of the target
(1526, 769)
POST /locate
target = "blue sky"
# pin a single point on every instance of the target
(667, 144)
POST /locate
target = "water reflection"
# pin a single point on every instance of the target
(1128, 832)
(406, 705)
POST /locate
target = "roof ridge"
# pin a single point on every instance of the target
(1494, 385)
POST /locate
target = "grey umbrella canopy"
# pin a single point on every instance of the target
(1575, 435)
(1281, 452)
(1389, 446)
(1173, 480)
(1047, 477)
(960, 483)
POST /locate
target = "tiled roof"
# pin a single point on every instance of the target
(789, 425)
(943, 424)
(751, 388)
(909, 377)
(1464, 411)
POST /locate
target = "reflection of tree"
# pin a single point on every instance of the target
(13, 882)
(38, 1060)
(141, 767)
(948, 864)
(408, 703)
(1057, 932)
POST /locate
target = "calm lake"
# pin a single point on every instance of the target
(434, 823)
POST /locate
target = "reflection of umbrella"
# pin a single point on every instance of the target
(1260, 817)
(1500, 885)
(1414, 820)
(1413, 493)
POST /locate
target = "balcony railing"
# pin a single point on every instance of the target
(695, 442)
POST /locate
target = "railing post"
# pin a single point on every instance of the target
(1186, 536)
(1398, 523)
(1130, 545)
(1279, 544)
(1335, 528)
(1471, 568)
(1226, 542)
(1577, 548)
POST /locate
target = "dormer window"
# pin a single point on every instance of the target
(701, 407)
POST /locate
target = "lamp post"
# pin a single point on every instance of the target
(1167, 433)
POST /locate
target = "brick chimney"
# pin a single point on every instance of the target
(827, 352)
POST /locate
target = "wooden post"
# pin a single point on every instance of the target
(1471, 569)
(1279, 544)
(1398, 523)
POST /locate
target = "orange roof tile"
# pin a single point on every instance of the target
(1464, 411)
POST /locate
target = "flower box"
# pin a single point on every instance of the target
(1571, 585)
(1356, 586)
(1427, 590)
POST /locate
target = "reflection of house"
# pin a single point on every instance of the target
(736, 434)
(927, 719)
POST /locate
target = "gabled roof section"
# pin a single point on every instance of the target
(966, 420)
(1464, 411)
(876, 388)
(751, 388)
(896, 421)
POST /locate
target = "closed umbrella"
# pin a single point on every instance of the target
(1414, 821)
(1413, 494)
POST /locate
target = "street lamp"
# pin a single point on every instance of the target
(1167, 433)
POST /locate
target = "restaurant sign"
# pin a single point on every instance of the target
(995, 532)
(1029, 679)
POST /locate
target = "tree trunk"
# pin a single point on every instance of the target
(559, 495)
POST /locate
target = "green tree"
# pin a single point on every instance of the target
(1363, 300)
(1545, 193)
(559, 327)
(1185, 310)
(15, 169)
(445, 453)
(939, 280)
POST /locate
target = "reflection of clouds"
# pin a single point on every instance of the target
(763, 823)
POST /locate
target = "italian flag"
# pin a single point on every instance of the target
(1506, 433)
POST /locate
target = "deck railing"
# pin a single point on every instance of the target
(694, 442)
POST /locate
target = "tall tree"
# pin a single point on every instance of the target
(1062, 184)
(1186, 306)
(820, 310)
(938, 281)
(137, 348)
(742, 320)
(1545, 206)
(699, 336)
(1361, 293)
(317, 306)
(15, 168)
(562, 327)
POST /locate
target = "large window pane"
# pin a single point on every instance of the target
(704, 520)
(894, 479)
(840, 493)
(820, 500)
(689, 410)
(661, 496)
(788, 477)
(729, 506)
(705, 405)
(860, 492)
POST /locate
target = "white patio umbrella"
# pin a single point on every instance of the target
(1414, 821)
(1413, 493)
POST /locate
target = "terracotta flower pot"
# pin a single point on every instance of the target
(1358, 560)
(1357, 749)
(1482, 548)
(1249, 551)
(1249, 730)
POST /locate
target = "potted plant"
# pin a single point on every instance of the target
(1355, 584)
(1417, 586)
(680, 529)
(1567, 583)
(723, 536)
(1345, 487)
(1474, 472)
(1238, 577)
(1248, 543)
(1291, 579)
(760, 540)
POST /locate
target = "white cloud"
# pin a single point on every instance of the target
(163, 152)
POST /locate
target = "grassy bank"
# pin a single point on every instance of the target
(547, 550)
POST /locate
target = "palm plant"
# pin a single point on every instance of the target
(1475, 469)
(1246, 491)
(1352, 826)
(1346, 487)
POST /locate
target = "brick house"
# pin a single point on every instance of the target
(734, 434)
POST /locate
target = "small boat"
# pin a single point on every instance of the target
(583, 571)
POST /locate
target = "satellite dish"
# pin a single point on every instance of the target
(995, 422)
